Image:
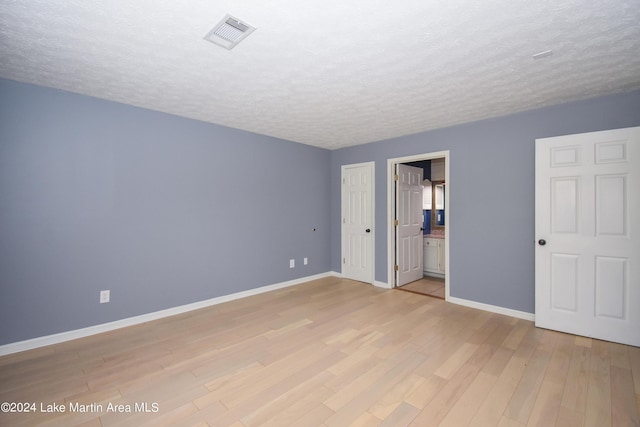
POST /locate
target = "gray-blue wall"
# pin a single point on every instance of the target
(161, 210)
(492, 192)
(165, 211)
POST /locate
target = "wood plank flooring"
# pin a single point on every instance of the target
(431, 286)
(329, 353)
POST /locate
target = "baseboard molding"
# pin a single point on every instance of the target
(493, 308)
(123, 323)
(376, 283)
(383, 285)
(130, 321)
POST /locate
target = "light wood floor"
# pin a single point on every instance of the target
(332, 353)
(431, 286)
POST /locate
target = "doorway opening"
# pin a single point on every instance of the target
(436, 225)
(429, 286)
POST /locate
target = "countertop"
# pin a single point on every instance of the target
(434, 236)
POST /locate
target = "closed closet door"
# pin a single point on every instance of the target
(357, 222)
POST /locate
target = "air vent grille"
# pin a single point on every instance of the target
(229, 32)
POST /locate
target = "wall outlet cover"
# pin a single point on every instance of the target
(105, 296)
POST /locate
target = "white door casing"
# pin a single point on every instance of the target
(391, 206)
(409, 240)
(358, 222)
(588, 234)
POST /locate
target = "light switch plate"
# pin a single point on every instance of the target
(105, 296)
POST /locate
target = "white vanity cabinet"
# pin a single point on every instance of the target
(433, 255)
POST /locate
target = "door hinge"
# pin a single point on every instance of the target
(395, 267)
(395, 177)
(344, 260)
(395, 222)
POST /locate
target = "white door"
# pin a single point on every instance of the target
(588, 234)
(409, 224)
(357, 222)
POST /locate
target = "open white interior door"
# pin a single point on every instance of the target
(588, 234)
(409, 228)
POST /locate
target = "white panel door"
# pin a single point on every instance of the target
(410, 221)
(357, 222)
(588, 231)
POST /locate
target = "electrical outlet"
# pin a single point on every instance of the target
(292, 263)
(306, 261)
(105, 296)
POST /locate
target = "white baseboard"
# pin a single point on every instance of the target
(493, 308)
(376, 283)
(130, 321)
(123, 323)
(383, 285)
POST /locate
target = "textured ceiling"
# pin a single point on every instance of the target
(324, 72)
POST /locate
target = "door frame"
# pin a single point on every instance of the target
(391, 200)
(373, 217)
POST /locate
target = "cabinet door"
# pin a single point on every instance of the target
(431, 255)
(441, 255)
(437, 169)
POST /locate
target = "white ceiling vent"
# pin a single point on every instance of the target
(229, 32)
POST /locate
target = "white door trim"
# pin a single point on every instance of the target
(391, 202)
(373, 217)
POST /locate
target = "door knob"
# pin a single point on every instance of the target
(542, 242)
(368, 230)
